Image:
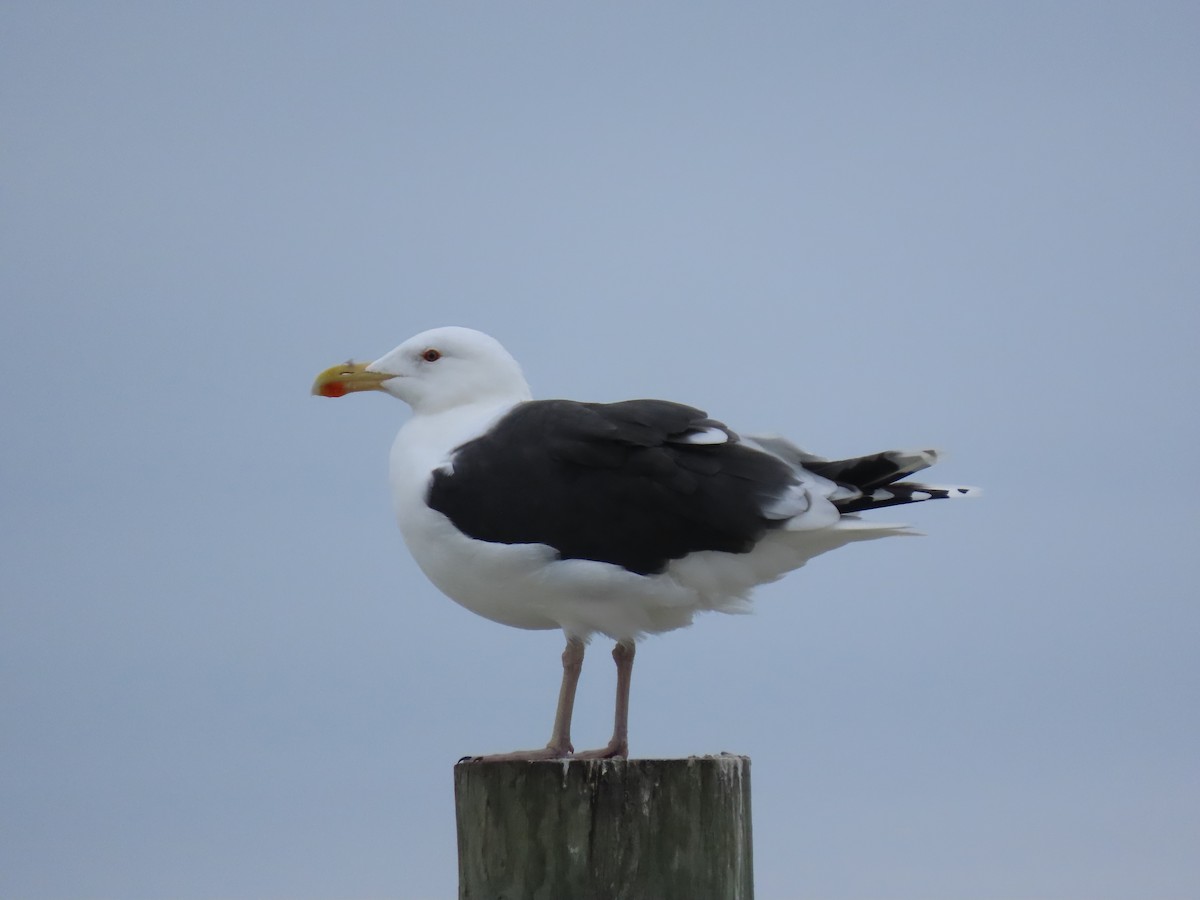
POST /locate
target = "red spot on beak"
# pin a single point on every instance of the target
(333, 389)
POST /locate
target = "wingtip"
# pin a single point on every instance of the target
(913, 461)
(962, 490)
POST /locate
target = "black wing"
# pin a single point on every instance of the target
(635, 484)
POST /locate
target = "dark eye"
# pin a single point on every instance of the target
(431, 355)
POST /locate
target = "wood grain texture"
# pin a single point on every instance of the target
(644, 829)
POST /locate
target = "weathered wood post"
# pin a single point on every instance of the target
(638, 829)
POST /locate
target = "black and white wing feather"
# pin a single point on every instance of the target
(635, 484)
(640, 483)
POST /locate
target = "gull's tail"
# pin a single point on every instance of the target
(876, 480)
(901, 492)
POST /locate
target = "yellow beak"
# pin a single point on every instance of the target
(338, 381)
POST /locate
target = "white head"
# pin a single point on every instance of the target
(434, 371)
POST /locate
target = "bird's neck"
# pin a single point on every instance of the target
(427, 440)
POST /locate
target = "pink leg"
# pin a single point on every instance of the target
(560, 739)
(623, 654)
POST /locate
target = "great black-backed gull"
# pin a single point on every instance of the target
(622, 519)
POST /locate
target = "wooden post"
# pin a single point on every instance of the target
(638, 829)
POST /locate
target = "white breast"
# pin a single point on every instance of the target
(478, 575)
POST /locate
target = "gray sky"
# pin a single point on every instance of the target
(972, 226)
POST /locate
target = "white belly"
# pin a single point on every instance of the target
(527, 586)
